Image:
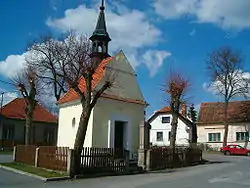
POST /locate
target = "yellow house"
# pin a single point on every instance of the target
(115, 119)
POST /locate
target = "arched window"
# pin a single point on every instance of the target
(73, 122)
(99, 49)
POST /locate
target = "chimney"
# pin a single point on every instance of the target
(184, 110)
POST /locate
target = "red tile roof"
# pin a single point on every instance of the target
(213, 112)
(16, 110)
(72, 95)
(165, 109)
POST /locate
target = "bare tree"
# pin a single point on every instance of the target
(47, 60)
(176, 88)
(67, 64)
(26, 82)
(227, 78)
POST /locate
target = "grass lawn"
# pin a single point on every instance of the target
(6, 152)
(33, 170)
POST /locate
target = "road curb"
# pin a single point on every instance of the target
(33, 175)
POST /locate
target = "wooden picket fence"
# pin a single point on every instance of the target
(106, 160)
(164, 157)
(52, 157)
(25, 154)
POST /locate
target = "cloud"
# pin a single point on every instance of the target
(192, 33)
(223, 13)
(240, 80)
(130, 30)
(154, 60)
(11, 65)
(7, 96)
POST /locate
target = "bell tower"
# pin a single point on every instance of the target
(100, 37)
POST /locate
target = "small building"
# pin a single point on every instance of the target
(115, 119)
(12, 126)
(210, 125)
(160, 131)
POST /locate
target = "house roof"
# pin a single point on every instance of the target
(16, 110)
(72, 95)
(213, 112)
(167, 110)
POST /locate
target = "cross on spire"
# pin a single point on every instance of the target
(102, 5)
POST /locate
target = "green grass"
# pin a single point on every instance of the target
(6, 152)
(33, 170)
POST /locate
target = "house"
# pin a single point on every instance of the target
(115, 119)
(12, 127)
(160, 131)
(210, 125)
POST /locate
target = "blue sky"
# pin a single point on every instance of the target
(156, 36)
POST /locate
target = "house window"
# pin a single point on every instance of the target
(214, 137)
(73, 122)
(169, 135)
(8, 132)
(159, 136)
(242, 136)
(49, 137)
(165, 119)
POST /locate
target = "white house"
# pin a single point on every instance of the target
(160, 123)
(115, 120)
(210, 125)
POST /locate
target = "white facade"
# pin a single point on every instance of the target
(158, 128)
(213, 134)
(107, 113)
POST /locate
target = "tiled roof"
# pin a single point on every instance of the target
(166, 109)
(16, 110)
(71, 95)
(213, 112)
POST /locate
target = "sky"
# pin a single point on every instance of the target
(156, 36)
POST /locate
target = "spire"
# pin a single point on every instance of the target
(101, 29)
(100, 37)
(102, 5)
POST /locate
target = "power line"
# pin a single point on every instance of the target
(5, 82)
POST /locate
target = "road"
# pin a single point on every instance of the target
(225, 172)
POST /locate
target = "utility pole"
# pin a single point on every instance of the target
(1, 121)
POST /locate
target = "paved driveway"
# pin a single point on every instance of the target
(225, 172)
(5, 158)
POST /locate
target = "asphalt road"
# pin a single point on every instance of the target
(225, 172)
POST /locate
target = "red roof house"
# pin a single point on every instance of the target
(12, 127)
(16, 110)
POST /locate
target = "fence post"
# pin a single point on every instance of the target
(14, 153)
(37, 157)
(148, 160)
(70, 162)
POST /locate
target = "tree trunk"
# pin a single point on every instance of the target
(226, 124)
(174, 124)
(28, 127)
(79, 141)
